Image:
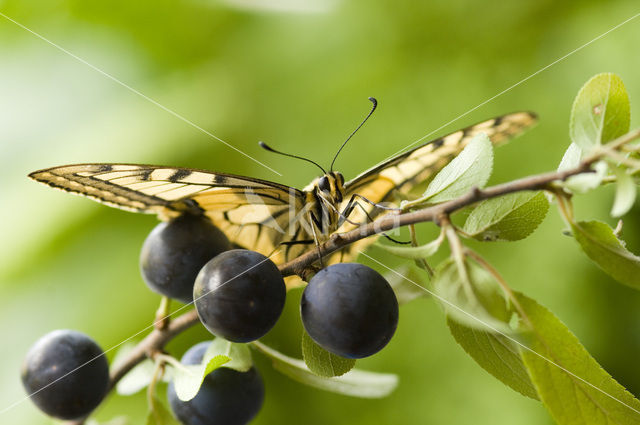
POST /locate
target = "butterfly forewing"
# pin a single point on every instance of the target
(253, 213)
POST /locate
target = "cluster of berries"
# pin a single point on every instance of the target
(348, 309)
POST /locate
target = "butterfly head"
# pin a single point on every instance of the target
(330, 187)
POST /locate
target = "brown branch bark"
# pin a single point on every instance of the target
(434, 213)
(153, 343)
(147, 348)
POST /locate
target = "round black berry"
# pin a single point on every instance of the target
(226, 396)
(66, 374)
(175, 251)
(239, 295)
(350, 310)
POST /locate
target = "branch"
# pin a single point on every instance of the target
(391, 221)
(153, 343)
(147, 348)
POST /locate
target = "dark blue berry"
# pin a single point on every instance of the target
(239, 295)
(350, 310)
(226, 396)
(175, 251)
(66, 374)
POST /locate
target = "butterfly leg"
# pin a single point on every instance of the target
(353, 202)
(315, 237)
(346, 212)
(383, 207)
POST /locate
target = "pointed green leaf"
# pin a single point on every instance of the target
(626, 192)
(496, 354)
(601, 112)
(582, 183)
(478, 303)
(137, 379)
(321, 362)
(603, 247)
(413, 252)
(355, 383)
(508, 218)
(571, 158)
(187, 379)
(571, 384)
(472, 167)
(239, 354)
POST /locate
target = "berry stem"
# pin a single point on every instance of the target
(163, 318)
(151, 390)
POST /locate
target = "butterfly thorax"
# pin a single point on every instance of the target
(324, 196)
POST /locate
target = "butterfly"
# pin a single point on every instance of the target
(274, 219)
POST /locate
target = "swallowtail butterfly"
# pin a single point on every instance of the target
(268, 217)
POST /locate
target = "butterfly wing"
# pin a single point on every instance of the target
(399, 175)
(253, 213)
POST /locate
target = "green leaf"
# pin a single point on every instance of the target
(496, 354)
(508, 218)
(239, 354)
(571, 158)
(472, 167)
(584, 182)
(603, 247)
(137, 379)
(478, 302)
(406, 282)
(625, 193)
(574, 388)
(321, 362)
(601, 112)
(159, 415)
(413, 252)
(355, 383)
(187, 379)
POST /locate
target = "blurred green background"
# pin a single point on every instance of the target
(297, 75)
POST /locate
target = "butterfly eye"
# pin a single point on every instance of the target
(323, 184)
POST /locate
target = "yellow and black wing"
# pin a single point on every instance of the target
(253, 213)
(399, 175)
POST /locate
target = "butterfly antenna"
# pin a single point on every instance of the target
(375, 105)
(266, 147)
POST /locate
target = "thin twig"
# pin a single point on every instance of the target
(151, 344)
